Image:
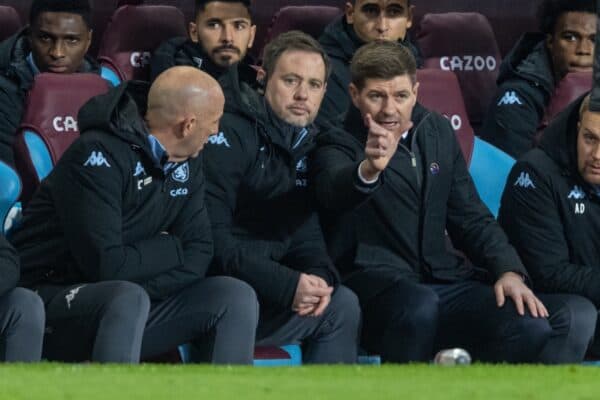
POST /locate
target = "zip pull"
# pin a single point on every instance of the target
(413, 160)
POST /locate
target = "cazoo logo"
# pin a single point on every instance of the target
(140, 59)
(455, 121)
(65, 124)
(468, 63)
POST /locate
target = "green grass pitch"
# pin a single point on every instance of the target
(89, 382)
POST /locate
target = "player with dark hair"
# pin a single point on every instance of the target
(56, 40)
(219, 39)
(363, 21)
(532, 69)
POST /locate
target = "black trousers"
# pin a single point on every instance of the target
(21, 326)
(328, 339)
(114, 321)
(411, 321)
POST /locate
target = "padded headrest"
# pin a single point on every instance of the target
(463, 43)
(9, 22)
(53, 103)
(439, 91)
(571, 87)
(309, 19)
(132, 35)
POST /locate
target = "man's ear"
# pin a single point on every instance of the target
(349, 12)
(354, 94)
(261, 75)
(193, 31)
(252, 36)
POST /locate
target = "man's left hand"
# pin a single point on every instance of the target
(511, 284)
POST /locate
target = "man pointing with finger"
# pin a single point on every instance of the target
(391, 187)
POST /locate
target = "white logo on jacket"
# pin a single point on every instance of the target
(71, 295)
(139, 169)
(576, 193)
(96, 159)
(510, 98)
(182, 173)
(218, 140)
(524, 181)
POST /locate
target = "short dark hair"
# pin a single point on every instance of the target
(382, 60)
(292, 40)
(201, 5)
(79, 7)
(550, 10)
(407, 2)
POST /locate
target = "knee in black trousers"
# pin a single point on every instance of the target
(21, 326)
(401, 323)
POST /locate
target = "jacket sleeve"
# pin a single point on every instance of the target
(11, 112)
(514, 117)
(532, 221)
(9, 266)
(88, 201)
(308, 252)
(335, 173)
(473, 229)
(225, 168)
(192, 228)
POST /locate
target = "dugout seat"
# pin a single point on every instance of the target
(571, 87)
(264, 11)
(10, 190)
(439, 91)
(509, 18)
(465, 44)
(489, 167)
(309, 19)
(49, 126)
(132, 35)
(9, 22)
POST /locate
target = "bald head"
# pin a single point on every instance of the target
(179, 91)
(184, 108)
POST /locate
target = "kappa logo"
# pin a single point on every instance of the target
(139, 169)
(510, 98)
(219, 140)
(302, 165)
(524, 181)
(71, 295)
(576, 193)
(65, 124)
(182, 173)
(96, 159)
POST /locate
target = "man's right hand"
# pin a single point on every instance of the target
(380, 148)
(309, 294)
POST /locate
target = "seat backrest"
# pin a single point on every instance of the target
(571, 87)
(439, 91)
(132, 35)
(509, 18)
(489, 169)
(263, 12)
(10, 190)
(9, 22)
(463, 43)
(309, 19)
(49, 123)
